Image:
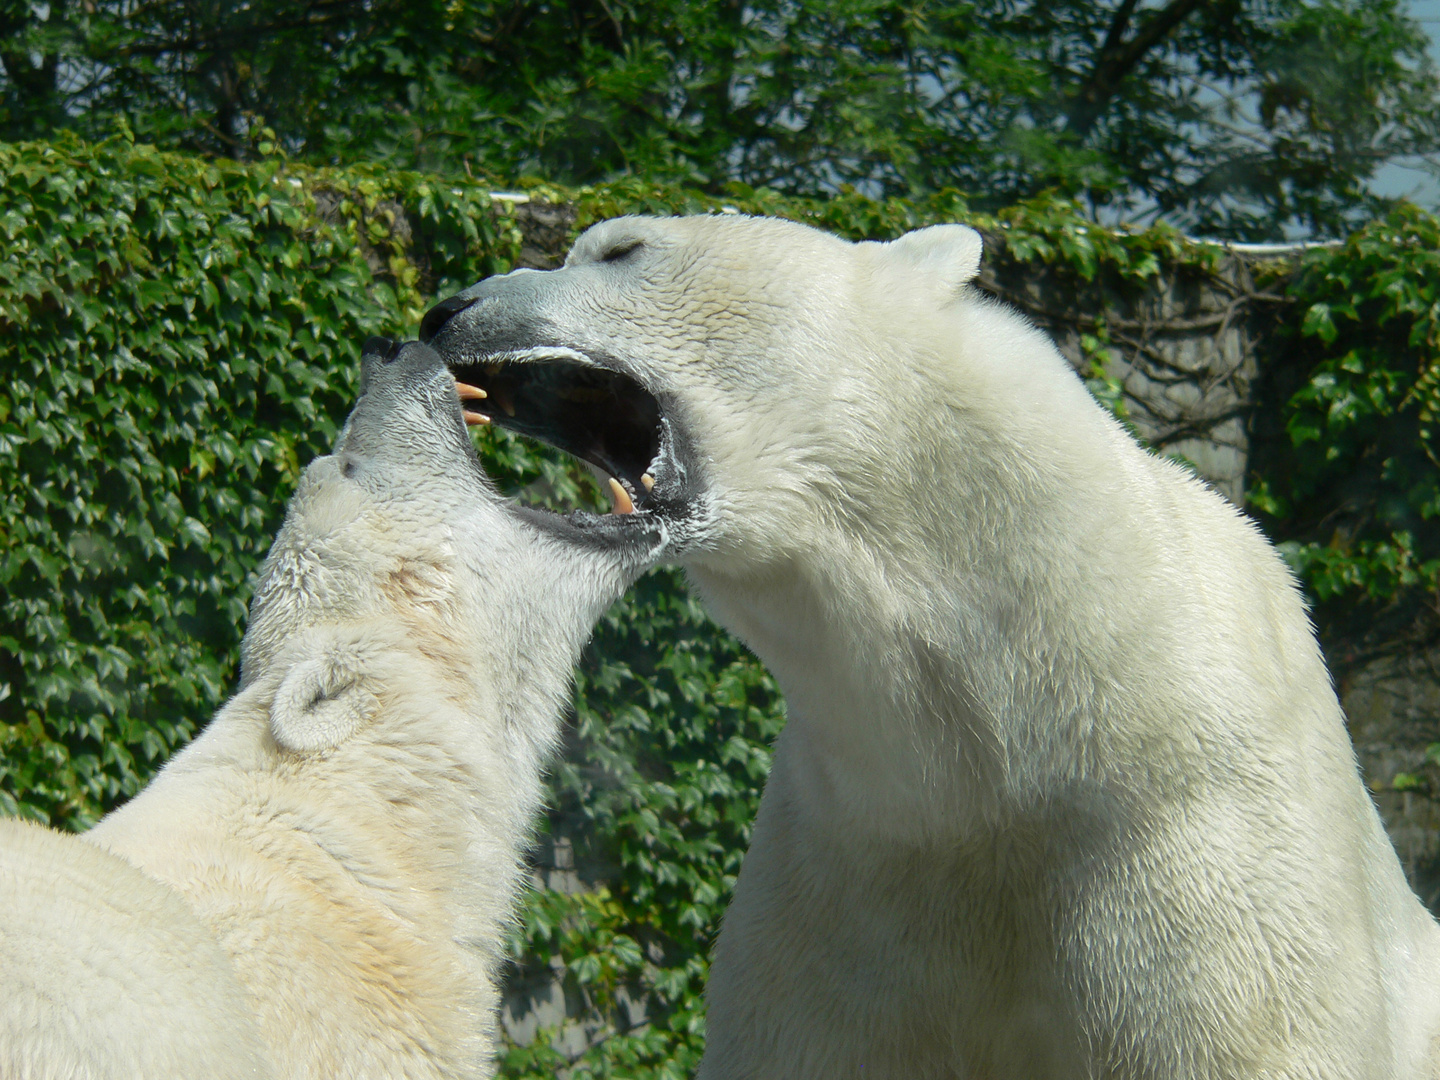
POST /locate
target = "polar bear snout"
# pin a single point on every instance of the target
(385, 348)
(407, 436)
(580, 398)
(392, 368)
(436, 318)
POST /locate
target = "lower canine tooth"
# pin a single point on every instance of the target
(623, 505)
(475, 418)
(648, 481)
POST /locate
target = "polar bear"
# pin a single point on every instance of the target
(1065, 791)
(318, 886)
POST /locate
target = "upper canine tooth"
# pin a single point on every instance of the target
(623, 505)
(648, 481)
(468, 392)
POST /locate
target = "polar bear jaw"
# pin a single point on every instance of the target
(583, 404)
(677, 316)
(379, 527)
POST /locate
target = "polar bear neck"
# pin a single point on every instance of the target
(964, 626)
(373, 884)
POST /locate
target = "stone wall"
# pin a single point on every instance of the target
(1392, 706)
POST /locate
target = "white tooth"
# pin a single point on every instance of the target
(648, 481)
(623, 505)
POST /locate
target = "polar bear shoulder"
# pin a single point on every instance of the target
(145, 955)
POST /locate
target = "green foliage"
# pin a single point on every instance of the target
(1423, 783)
(178, 338)
(675, 720)
(1351, 482)
(1230, 117)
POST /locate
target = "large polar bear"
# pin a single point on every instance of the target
(1065, 790)
(318, 885)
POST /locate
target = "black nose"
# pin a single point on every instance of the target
(383, 347)
(436, 318)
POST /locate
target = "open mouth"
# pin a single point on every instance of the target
(594, 413)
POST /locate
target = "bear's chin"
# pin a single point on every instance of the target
(610, 422)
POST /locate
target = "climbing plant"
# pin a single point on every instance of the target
(178, 337)
(1351, 480)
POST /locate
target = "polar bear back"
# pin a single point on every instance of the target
(159, 997)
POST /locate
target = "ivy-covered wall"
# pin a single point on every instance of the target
(178, 336)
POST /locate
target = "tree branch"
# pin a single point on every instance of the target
(320, 15)
(1118, 25)
(1118, 57)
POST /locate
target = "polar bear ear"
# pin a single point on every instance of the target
(321, 702)
(948, 254)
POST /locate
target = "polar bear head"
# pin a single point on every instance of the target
(746, 382)
(398, 564)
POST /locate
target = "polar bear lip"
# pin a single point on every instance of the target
(591, 411)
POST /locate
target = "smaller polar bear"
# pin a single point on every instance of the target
(318, 885)
(1064, 792)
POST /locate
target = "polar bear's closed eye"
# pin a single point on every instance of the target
(324, 699)
(622, 248)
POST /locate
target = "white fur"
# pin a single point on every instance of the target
(1065, 791)
(95, 957)
(348, 830)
